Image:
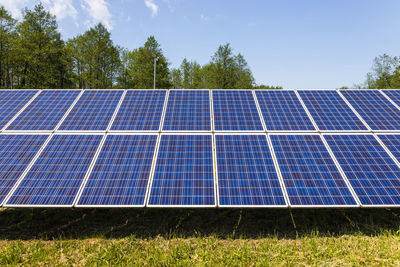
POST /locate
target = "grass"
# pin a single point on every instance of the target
(65, 237)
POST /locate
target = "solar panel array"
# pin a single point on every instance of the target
(200, 148)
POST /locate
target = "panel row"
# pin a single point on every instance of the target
(200, 110)
(192, 170)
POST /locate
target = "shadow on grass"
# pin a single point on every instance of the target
(223, 223)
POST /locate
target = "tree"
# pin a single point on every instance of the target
(39, 50)
(384, 73)
(96, 59)
(141, 68)
(176, 78)
(7, 36)
(227, 70)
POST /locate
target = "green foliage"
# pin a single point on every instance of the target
(141, 66)
(7, 37)
(33, 55)
(385, 73)
(263, 86)
(96, 60)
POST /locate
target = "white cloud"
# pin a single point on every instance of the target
(204, 17)
(152, 6)
(15, 6)
(61, 8)
(98, 11)
(128, 18)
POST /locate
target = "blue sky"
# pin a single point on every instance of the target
(295, 44)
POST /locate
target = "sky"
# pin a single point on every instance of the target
(294, 44)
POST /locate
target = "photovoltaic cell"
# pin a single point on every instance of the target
(93, 111)
(188, 110)
(141, 110)
(45, 111)
(373, 175)
(392, 142)
(246, 172)
(11, 102)
(394, 95)
(282, 111)
(309, 173)
(121, 173)
(16, 152)
(235, 110)
(330, 112)
(58, 172)
(184, 173)
(374, 108)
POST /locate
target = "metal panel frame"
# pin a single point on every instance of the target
(33, 162)
(155, 163)
(237, 131)
(79, 195)
(339, 170)
(92, 131)
(389, 154)
(272, 156)
(138, 131)
(191, 131)
(29, 164)
(21, 110)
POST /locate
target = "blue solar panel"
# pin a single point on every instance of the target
(57, 174)
(246, 172)
(12, 101)
(46, 111)
(282, 111)
(330, 112)
(16, 152)
(141, 110)
(374, 108)
(121, 173)
(392, 142)
(235, 111)
(184, 173)
(394, 95)
(93, 111)
(309, 173)
(373, 175)
(188, 111)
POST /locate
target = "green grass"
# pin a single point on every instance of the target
(199, 237)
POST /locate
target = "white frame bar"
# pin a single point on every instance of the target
(339, 169)
(34, 161)
(272, 156)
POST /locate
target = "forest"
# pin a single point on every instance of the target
(33, 55)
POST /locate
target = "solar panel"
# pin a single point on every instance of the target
(330, 112)
(282, 111)
(374, 108)
(141, 110)
(121, 173)
(392, 142)
(235, 110)
(246, 172)
(394, 95)
(188, 110)
(93, 111)
(57, 174)
(45, 111)
(11, 102)
(310, 175)
(184, 173)
(16, 152)
(373, 175)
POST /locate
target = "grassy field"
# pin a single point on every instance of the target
(199, 237)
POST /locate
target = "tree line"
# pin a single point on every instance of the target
(385, 73)
(33, 55)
